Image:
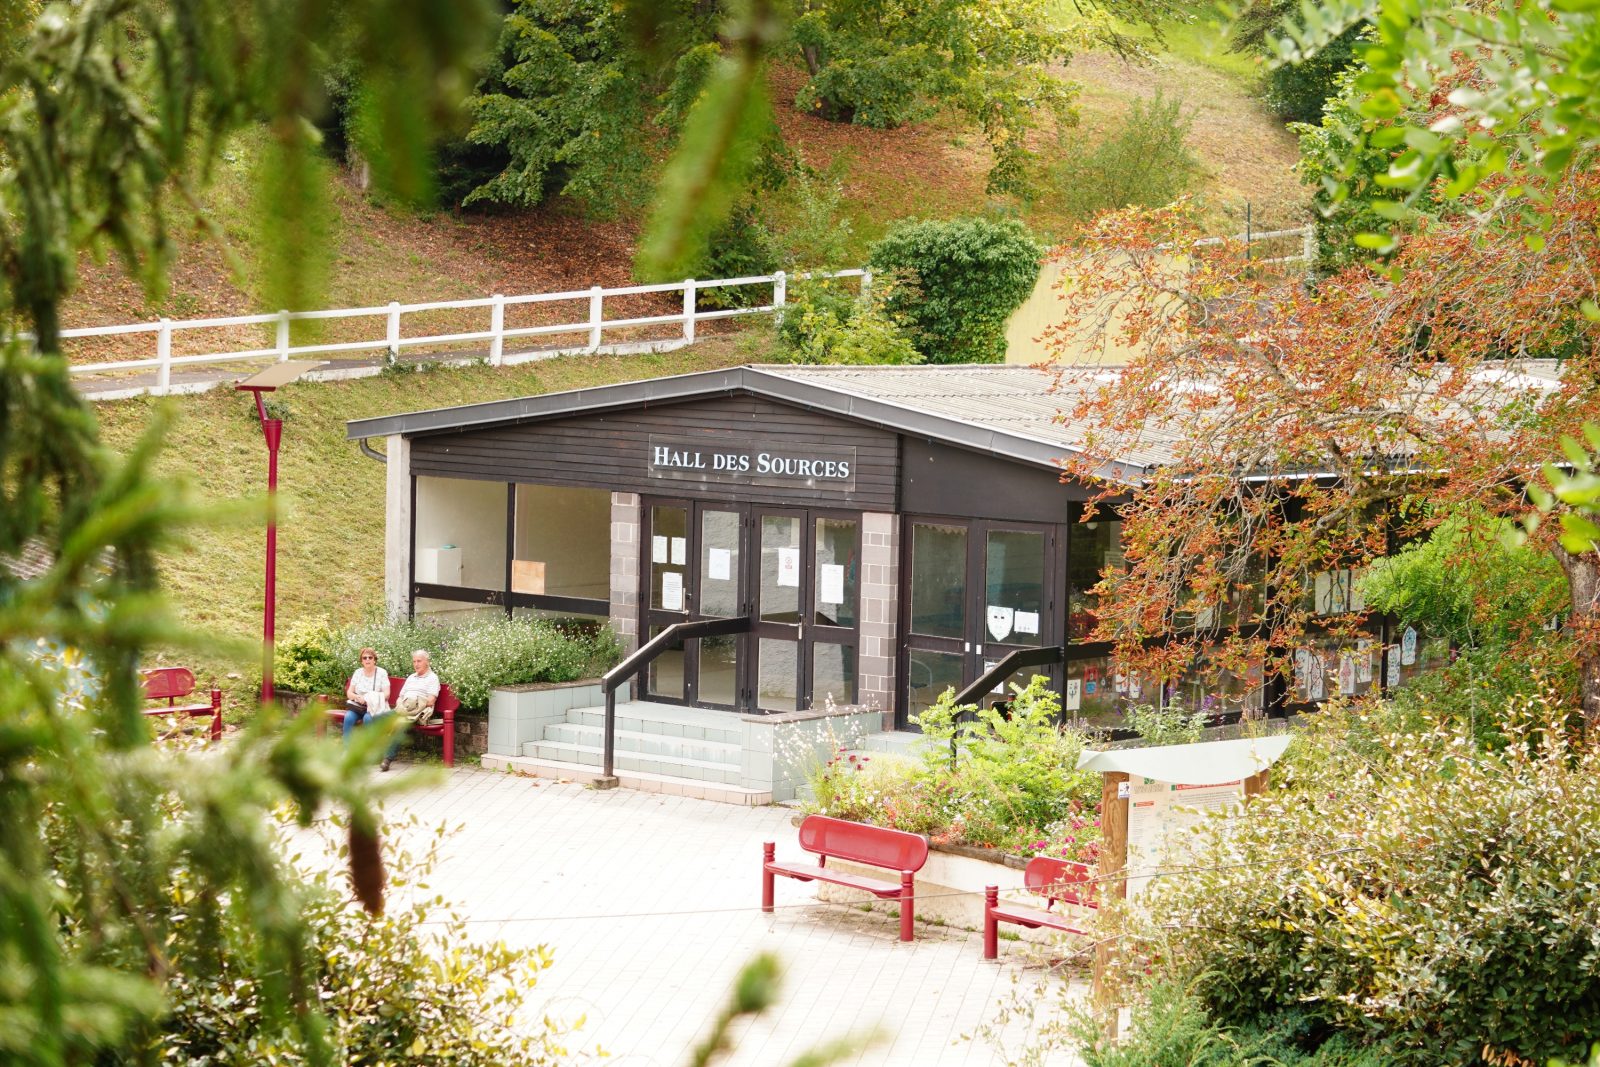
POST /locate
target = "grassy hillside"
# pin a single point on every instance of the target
(330, 542)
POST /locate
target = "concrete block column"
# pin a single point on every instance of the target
(626, 519)
(880, 612)
(397, 526)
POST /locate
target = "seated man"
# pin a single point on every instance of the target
(417, 696)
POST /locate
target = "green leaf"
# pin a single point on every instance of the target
(1590, 309)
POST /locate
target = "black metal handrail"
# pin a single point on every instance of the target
(1023, 657)
(672, 637)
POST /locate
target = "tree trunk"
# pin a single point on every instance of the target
(813, 59)
(1583, 581)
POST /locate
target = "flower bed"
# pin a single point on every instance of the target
(1011, 787)
(473, 657)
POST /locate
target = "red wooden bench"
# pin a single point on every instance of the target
(445, 707)
(1057, 881)
(853, 842)
(173, 683)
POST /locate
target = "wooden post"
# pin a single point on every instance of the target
(1113, 887)
(1256, 784)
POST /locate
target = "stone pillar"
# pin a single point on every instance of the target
(625, 521)
(880, 612)
(397, 526)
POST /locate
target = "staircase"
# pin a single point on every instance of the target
(661, 748)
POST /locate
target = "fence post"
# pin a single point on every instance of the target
(688, 312)
(497, 324)
(164, 354)
(597, 314)
(394, 329)
(1308, 244)
(283, 336)
(780, 296)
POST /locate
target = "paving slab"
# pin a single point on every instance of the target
(651, 905)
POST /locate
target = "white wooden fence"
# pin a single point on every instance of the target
(394, 338)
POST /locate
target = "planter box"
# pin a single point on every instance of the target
(518, 714)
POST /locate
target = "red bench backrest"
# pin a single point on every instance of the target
(1063, 880)
(168, 683)
(447, 700)
(875, 846)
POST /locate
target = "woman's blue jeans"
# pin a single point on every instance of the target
(354, 718)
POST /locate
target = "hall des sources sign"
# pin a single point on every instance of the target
(698, 461)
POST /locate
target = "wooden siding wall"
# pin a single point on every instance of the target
(611, 451)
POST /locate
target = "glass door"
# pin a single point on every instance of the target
(721, 595)
(783, 573)
(978, 591)
(666, 562)
(693, 554)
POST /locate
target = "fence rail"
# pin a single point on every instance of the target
(593, 326)
(394, 339)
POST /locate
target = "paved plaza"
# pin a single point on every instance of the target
(651, 903)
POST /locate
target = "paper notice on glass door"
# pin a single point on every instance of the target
(680, 551)
(789, 566)
(719, 564)
(1026, 622)
(830, 584)
(658, 549)
(1074, 694)
(672, 591)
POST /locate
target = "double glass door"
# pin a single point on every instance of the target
(794, 573)
(978, 592)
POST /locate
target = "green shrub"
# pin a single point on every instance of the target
(826, 324)
(392, 990)
(1170, 725)
(1019, 767)
(965, 277)
(1144, 161)
(472, 658)
(1416, 894)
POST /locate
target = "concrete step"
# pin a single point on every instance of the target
(645, 717)
(643, 781)
(675, 767)
(654, 745)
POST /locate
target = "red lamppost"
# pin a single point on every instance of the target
(279, 374)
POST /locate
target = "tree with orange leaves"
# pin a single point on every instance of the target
(1307, 431)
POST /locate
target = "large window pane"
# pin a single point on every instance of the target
(719, 563)
(563, 542)
(1014, 586)
(833, 674)
(928, 675)
(461, 532)
(778, 675)
(938, 580)
(719, 669)
(1093, 548)
(838, 572)
(666, 671)
(780, 568)
(669, 532)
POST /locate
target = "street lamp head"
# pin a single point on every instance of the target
(279, 374)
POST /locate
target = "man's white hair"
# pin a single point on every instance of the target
(415, 652)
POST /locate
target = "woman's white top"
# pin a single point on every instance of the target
(360, 684)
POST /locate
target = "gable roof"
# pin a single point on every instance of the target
(1010, 412)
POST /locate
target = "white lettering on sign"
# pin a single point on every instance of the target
(683, 461)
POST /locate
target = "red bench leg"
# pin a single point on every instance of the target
(768, 852)
(216, 714)
(991, 926)
(450, 738)
(907, 904)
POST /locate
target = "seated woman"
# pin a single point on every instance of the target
(366, 694)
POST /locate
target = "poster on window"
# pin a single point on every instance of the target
(1394, 666)
(1316, 677)
(789, 566)
(1074, 694)
(1026, 622)
(1408, 647)
(830, 584)
(658, 549)
(1364, 661)
(680, 551)
(719, 564)
(1347, 674)
(1000, 620)
(672, 591)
